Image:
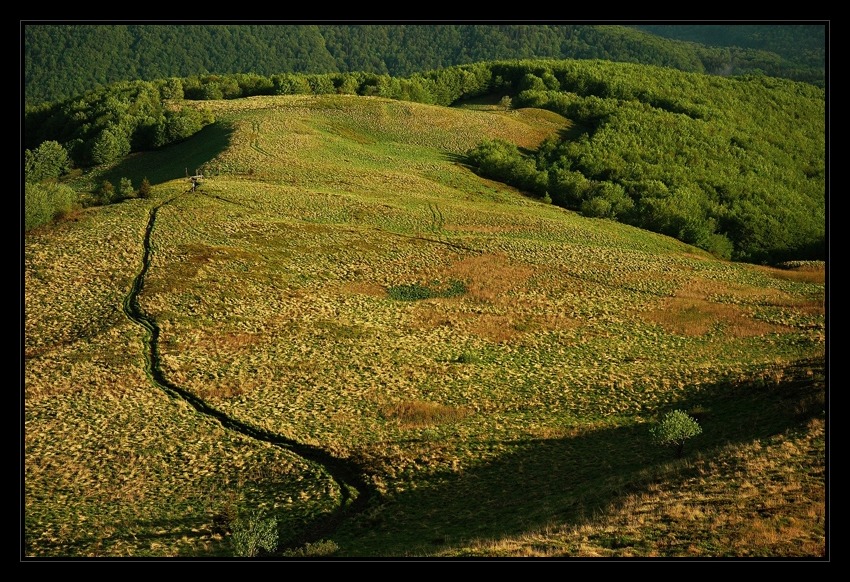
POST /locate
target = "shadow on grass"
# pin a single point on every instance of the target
(174, 161)
(565, 481)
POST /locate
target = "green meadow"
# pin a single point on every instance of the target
(344, 312)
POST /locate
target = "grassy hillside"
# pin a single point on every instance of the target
(262, 343)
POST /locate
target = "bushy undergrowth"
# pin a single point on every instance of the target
(254, 533)
(314, 550)
(46, 202)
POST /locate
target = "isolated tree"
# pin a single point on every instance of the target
(505, 102)
(674, 429)
(145, 188)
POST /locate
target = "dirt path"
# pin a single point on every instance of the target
(356, 492)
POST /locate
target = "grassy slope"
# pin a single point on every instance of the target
(519, 408)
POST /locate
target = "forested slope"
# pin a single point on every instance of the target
(63, 60)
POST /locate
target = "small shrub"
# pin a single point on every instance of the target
(674, 429)
(254, 533)
(320, 548)
(106, 192)
(467, 357)
(223, 520)
(44, 203)
(145, 188)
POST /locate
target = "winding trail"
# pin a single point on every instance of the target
(356, 492)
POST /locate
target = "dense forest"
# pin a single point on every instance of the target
(61, 61)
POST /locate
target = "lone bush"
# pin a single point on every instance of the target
(253, 533)
(674, 429)
(145, 188)
(106, 193)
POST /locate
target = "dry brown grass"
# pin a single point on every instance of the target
(489, 277)
(690, 312)
(190, 261)
(809, 273)
(418, 413)
(363, 288)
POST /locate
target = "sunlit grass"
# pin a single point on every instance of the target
(273, 289)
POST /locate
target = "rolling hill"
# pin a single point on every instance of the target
(349, 331)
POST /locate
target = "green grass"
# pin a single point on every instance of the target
(512, 398)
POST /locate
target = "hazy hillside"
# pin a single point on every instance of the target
(63, 60)
(347, 331)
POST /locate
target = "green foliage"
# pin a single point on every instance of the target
(125, 188)
(177, 125)
(500, 160)
(62, 60)
(170, 88)
(104, 125)
(733, 166)
(719, 169)
(48, 160)
(106, 192)
(410, 292)
(145, 188)
(254, 533)
(674, 429)
(224, 518)
(314, 550)
(418, 291)
(110, 145)
(44, 203)
(467, 357)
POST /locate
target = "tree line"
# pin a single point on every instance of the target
(64, 60)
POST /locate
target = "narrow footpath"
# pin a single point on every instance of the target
(355, 491)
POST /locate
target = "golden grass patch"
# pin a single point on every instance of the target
(489, 277)
(810, 273)
(190, 260)
(496, 328)
(363, 288)
(234, 340)
(414, 413)
(690, 312)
